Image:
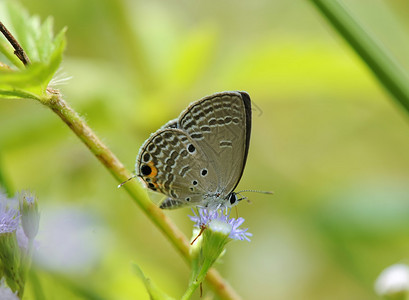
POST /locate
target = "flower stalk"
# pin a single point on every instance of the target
(216, 230)
(207, 252)
(11, 261)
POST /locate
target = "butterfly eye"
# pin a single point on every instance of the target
(232, 198)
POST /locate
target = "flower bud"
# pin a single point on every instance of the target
(30, 217)
(393, 282)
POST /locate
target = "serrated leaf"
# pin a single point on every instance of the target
(30, 80)
(56, 55)
(43, 49)
(46, 38)
(24, 27)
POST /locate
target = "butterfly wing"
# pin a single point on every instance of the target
(203, 152)
(220, 124)
(172, 163)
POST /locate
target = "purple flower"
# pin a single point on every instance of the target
(9, 218)
(238, 233)
(205, 216)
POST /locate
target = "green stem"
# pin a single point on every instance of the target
(137, 193)
(37, 290)
(26, 264)
(189, 292)
(384, 67)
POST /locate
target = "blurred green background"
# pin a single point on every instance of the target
(326, 138)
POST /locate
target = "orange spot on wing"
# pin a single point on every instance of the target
(153, 168)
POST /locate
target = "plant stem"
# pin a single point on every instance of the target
(189, 292)
(382, 64)
(37, 290)
(137, 193)
(18, 50)
(26, 265)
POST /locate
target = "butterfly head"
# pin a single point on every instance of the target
(233, 199)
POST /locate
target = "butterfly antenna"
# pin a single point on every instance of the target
(119, 185)
(256, 191)
(243, 198)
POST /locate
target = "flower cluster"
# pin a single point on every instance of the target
(9, 217)
(18, 228)
(205, 218)
(218, 229)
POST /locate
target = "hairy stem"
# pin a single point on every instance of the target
(137, 193)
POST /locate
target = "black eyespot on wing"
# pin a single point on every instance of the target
(146, 157)
(152, 186)
(187, 199)
(145, 170)
(194, 182)
(191, 148)
(203, 172)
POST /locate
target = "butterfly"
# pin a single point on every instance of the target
(198, 159)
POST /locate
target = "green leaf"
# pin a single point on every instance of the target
(9, 57)
(44, 50)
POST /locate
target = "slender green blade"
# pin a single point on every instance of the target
(378, 59)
